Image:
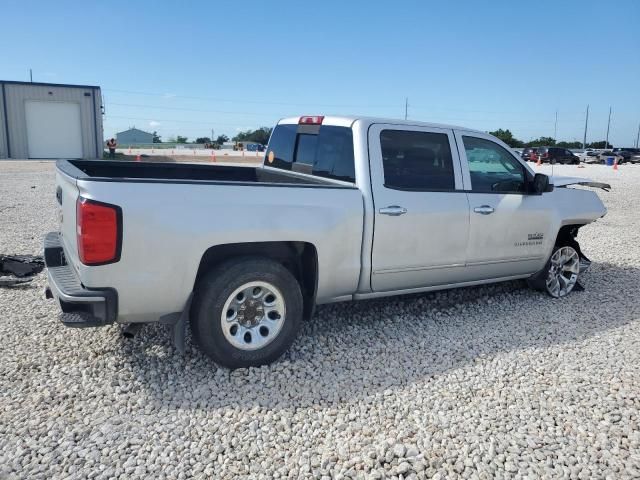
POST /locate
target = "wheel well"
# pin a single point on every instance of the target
(300, 258)
(567, 234)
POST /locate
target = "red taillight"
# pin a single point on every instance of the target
(98, 232)
(311, 120)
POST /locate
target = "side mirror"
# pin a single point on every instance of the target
(540, 183)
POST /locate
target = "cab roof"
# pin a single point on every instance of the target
(349, 120)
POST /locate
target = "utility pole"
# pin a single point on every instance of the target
(586, 122)
(606, 142)
(31, 75)
(555, 128)
(406, 107)
(638, 136)
(212, 140)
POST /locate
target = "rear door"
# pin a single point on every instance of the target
(509, 229)
(421, 212)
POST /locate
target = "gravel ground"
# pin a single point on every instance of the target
(491, 382)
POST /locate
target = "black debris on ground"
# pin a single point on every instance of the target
(17, 269)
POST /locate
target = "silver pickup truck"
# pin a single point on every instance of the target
(343, 208)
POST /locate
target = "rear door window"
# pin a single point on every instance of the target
(324, 151)
(419, 161)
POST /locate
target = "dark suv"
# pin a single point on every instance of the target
(556, 155)
(527, 152)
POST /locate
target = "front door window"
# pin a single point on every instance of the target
(492, 169)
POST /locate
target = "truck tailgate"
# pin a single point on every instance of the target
(66, 195)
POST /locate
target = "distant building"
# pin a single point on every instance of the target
(48, 120)
(133, 136)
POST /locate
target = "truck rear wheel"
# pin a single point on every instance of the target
(247, 312)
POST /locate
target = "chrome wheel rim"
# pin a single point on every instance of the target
(563, 272)
(253, 315)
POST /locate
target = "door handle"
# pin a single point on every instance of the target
(393, 210)
(484, 209)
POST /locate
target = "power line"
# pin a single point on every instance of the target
(257, 102)
(606, 142)
(322, 105)
(172, 120)
(186, 109)
(271, 116)
(586, 122)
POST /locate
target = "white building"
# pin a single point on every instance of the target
(46, 120)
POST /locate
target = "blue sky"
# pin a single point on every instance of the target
(187, 67)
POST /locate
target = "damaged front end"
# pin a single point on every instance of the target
(545, 279)
(568, 236)
(559, 182)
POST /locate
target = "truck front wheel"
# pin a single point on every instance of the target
(247, 312)
(560, 275)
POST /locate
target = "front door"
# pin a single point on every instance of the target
(509, 229)
(421, 212)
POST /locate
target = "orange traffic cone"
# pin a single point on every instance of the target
(137, 157)
(213, 156)
(539, 162)
(615, 164)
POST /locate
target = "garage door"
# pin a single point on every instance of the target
(53, 129)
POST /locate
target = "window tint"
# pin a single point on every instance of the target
(326, 152)
(281, 144)
(305, 153)
(334, 154)
(492, 168)
(417, 160)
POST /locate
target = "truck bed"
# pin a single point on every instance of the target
(119, 171)
(172, 214)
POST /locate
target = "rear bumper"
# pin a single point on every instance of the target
(81, 306)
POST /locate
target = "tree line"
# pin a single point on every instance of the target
(260, 135)
(507, 137)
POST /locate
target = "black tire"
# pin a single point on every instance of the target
(215, 288)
